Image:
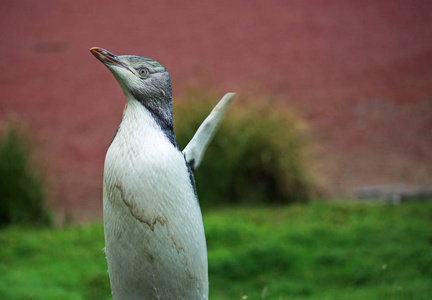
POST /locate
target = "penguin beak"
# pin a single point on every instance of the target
(107, 58)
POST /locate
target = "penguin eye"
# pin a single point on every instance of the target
(143, 72)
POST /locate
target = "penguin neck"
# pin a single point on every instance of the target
(153, 117)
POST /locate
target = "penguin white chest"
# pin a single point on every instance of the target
(155, 243)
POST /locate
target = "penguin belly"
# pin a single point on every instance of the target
(154, 233)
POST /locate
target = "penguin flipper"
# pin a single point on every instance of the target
(195, 149)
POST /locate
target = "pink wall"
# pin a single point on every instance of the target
(360, 72)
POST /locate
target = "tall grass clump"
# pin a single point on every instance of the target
(257, 156)
(22, 190)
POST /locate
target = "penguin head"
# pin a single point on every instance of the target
(139, 76)
(141, 79)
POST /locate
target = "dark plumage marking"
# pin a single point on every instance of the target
(192, 179)
(192, 164)
(166, 126)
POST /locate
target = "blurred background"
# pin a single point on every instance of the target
(358, 73)
(348, 83)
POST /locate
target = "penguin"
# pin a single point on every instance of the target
(154, 234)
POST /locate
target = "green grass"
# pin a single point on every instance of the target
(312, 251)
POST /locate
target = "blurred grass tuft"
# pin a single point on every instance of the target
(257, 156)
(22, 186)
